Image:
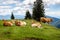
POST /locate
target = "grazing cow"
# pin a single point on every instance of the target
(36, 24)
(7, 23)
(20, 23)
(45, 20)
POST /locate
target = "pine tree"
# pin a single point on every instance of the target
(28, 15)
(38, 10)
(12, 16)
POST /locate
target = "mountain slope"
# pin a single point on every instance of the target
(47, 32)
(54, 20)
(57, 24)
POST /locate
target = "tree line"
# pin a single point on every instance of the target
(37, 13)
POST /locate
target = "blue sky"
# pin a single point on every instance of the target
(19, 7)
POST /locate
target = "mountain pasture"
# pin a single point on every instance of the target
(47, 32)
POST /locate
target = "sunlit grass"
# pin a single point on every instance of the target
(48, 32)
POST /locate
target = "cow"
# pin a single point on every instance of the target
(36, 24)
(20, 23)
(17, 23)
(23, 23)
(7, 23)
(46, 20)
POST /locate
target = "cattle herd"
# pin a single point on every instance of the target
(23, 23)
(12, 22)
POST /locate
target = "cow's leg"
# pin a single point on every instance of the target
(48, 22)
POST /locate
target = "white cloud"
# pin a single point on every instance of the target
(7, 2)
(53, 13)
(28, 1)
(20, 10)
(22, 7)
(5, 7)
(10, 2)
(16, 8)
(51, 2)
(5, 11)
(48, 11)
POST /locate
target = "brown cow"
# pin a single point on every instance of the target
(7, 23)
(45, 20)
(20, 23)
(17, 23)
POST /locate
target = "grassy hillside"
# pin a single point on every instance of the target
(48, 32)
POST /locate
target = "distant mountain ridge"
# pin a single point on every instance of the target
(4, 17)
(57, 24)
(56, 21)
(8, 17)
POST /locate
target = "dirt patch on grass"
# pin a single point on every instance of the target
(31, 38)
(7, 32)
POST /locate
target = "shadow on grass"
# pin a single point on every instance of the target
(31, 38)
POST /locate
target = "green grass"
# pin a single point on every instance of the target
(48, 32)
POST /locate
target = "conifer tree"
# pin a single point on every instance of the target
(38, 10)
(12, 16)
(28, 15)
